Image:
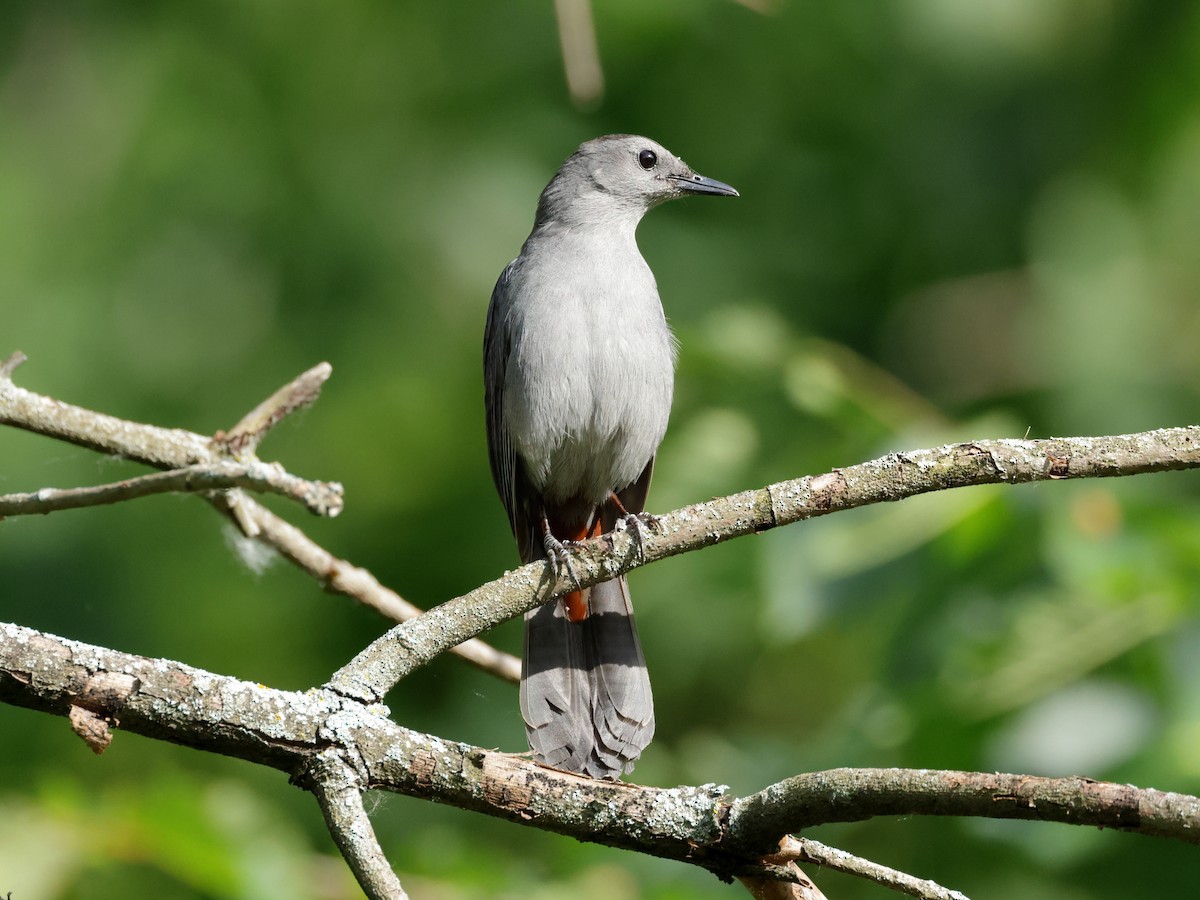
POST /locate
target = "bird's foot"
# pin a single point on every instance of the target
(640, 524)
(558, 555)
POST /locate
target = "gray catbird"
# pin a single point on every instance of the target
(579, 367)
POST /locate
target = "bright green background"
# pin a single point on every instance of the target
(958, 220)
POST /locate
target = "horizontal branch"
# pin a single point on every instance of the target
(896, 476)
(168, 448)
(849, 795)
(324, 498)
(700, 825)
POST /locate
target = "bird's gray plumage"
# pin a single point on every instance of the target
(579, 370)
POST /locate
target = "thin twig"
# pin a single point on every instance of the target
(340, 577)
(338, 790)
(809, 851)
(412, 644)
(298, 393)
(321, 497)
(10, 365)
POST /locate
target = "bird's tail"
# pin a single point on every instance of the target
(585, 691)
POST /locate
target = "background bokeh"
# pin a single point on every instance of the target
(958, 220)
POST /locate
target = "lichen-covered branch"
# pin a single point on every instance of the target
(897, 476)
(288, 730)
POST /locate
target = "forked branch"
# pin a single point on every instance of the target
(177, 449)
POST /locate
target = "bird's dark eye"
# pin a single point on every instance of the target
(647, 159)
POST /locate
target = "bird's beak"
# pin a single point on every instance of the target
(698, 184)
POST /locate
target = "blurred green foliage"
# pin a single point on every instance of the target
(958, 220)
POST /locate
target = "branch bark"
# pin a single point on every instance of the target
(298, 393)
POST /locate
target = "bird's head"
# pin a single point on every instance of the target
(620, 176)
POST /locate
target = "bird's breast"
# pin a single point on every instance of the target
(590, 374)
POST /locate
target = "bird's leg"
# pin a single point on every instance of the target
(639, 523)
(558, 554)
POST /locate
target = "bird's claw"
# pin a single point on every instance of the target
(641, 524)
(558, 555)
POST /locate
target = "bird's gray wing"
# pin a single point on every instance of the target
(520, 500)
(496, 348)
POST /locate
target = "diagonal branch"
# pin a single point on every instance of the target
(15, 359)
(408, 646)
(298, 393)
(162, 448)
(781, 879)
(807, 850)
(170, 448)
